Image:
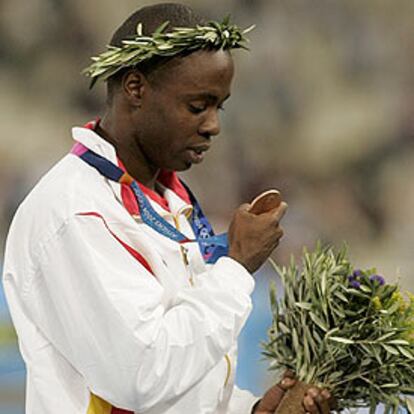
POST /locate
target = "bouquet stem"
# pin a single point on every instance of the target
(292, 402)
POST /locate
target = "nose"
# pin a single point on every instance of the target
(211, 124)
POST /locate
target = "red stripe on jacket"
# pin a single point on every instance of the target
(127, 247)
(120, 411)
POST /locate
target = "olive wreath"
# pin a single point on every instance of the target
(213, 35)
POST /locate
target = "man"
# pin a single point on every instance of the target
(122, 298)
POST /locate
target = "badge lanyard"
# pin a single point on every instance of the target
(212, 246)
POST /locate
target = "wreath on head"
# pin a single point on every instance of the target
(213, 35)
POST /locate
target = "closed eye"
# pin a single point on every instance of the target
(198, 109)
(195, 109)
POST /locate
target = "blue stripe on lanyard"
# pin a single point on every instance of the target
(150, 217)
(105, 167)
(211, 246)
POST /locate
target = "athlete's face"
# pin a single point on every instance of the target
(179, 114)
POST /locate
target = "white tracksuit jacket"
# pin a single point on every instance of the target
(97, 329)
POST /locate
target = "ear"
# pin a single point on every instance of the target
(134, 85)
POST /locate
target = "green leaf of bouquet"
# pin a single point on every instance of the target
(335, 375)
(377, 354)
(304, 305)
(324, 282)
(385, 336)
(341, 296)
(318, 321)
(390, 385)
(273, 294)
(365, 362)
(309, 378)
(404, 351)
(410, 405)
(365, 289)
(358, 293)
(341, 340)
(295, 339)
(329, 333)
(284, 328)
(386, 291)
(399, 342)
(390, 349)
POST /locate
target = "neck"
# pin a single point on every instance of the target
(114, 129)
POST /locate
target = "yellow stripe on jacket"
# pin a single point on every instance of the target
(98, 406)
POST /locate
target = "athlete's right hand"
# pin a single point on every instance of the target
(252, 238)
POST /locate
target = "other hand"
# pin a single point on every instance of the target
(315, 401)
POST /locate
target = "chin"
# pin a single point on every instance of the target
(181, 166)
(185, 167)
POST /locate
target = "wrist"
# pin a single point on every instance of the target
(237, 258)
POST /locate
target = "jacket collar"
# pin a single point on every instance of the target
(175, 195)
(91, 140)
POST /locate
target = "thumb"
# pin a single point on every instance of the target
(279, 212)
(244, 207)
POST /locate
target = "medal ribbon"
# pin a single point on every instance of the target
(212, 246)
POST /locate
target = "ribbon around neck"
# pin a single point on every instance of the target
(212, 246)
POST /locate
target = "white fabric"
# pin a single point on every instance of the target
(91, 319)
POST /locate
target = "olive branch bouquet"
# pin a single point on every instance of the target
(344, 329)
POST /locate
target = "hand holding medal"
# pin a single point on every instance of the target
(255, 230)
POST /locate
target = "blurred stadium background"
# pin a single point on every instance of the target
(322, 108)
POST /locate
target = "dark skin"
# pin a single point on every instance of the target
(153, 124)
(168, 122)
(315, 401)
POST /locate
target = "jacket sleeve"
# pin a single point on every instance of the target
(103, 312)
(241, 402)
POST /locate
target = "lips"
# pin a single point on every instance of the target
(196, 153)
(200, 148)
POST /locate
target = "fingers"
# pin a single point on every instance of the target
(280, 232)
(274, 217)
(310, 405)
(317, 401)
(330, 398)
(279, 212)
(323, 404)
(287, 383)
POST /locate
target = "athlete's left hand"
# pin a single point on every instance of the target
(316, 400)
